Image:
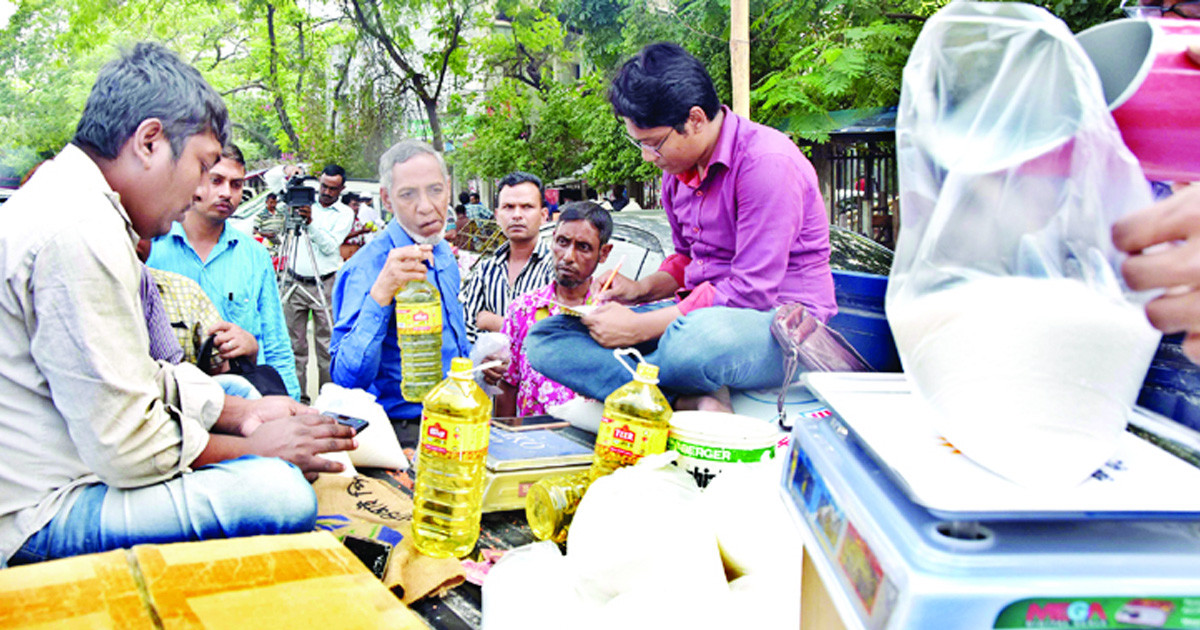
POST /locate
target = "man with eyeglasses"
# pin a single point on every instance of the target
(327, 225)
(750, 234)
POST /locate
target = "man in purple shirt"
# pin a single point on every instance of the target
(750, 234)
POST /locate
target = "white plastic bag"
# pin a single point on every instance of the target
(760, 546)
(641, 555)
(531, 588)
(1005, 297)
(378, 446)
(641, 539)
(486, 345)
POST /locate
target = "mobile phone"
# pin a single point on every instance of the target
(529, 423)
(358, 424)
(373, 553)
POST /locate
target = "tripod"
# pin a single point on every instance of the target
(294, 229)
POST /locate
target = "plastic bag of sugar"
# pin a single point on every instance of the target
(1030, 378)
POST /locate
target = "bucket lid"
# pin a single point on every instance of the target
(722, 427)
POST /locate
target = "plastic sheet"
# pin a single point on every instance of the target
(1004, 296)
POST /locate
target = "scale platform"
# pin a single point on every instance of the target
(930, 540)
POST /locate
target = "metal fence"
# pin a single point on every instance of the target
(860, 187)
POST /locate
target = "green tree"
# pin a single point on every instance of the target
(45, 83)
(274, 63)
(424, 45)
(525, 43)
(613, 159)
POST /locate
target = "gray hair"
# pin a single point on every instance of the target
(402, 152)
(149, 81)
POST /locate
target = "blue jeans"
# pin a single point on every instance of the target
(697, 354)
(247, 496)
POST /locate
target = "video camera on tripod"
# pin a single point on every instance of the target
(297, 243)
(298, 193)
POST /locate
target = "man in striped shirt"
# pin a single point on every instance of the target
(521, 264)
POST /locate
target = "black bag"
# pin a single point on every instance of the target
(264, 378)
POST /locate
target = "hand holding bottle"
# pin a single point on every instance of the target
(403, 265)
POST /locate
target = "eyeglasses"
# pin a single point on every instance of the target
(1187, 9)
(657, 149)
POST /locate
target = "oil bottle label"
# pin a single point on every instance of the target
(446, 437)
(418, 318)
(629, 441)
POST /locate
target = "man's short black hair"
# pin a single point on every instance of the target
(333, 170)
(660, 85)
(149, 81)
(232, 153)
(517, 178)
(591, 212)
(349, 197)
(272, 195)
(464, 197)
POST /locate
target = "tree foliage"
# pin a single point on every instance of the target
(280, 69)
(511, 83)
(423, 44)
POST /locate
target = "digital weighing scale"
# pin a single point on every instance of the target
(906, 532)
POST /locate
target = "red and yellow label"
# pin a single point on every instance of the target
(446, 437)
(630, 441)
(418, 318)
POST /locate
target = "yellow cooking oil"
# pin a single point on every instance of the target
(448, 493)
(551, 502)
(635, 424)
(419, 333)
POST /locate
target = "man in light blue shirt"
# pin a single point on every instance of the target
(415, 186)
(233, 269)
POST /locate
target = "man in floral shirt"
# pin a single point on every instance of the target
(579, 244)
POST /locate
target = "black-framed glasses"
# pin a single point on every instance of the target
(657, 149)
(1187, 9)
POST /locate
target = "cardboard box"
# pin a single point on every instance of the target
(299, 581)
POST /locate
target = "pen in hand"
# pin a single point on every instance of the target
(608, 282)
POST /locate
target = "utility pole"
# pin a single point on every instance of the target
(739, 55)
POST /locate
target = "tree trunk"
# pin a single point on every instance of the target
(280, 109)
(739, 55)
(435, 123)
(267, 142)
(344, 75)
(300, 75)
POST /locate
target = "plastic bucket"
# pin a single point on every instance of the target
(709, 443)
(1151, 87)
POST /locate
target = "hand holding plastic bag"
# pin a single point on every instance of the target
(490, 346)
(1004, 299)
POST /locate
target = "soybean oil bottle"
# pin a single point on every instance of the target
(448, 494)
(636, 421)
(637, 418)
(419, 331)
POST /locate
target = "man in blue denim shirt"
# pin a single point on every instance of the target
(415, 186)
(233, 269)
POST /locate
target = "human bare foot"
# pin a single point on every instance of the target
(717, 401)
